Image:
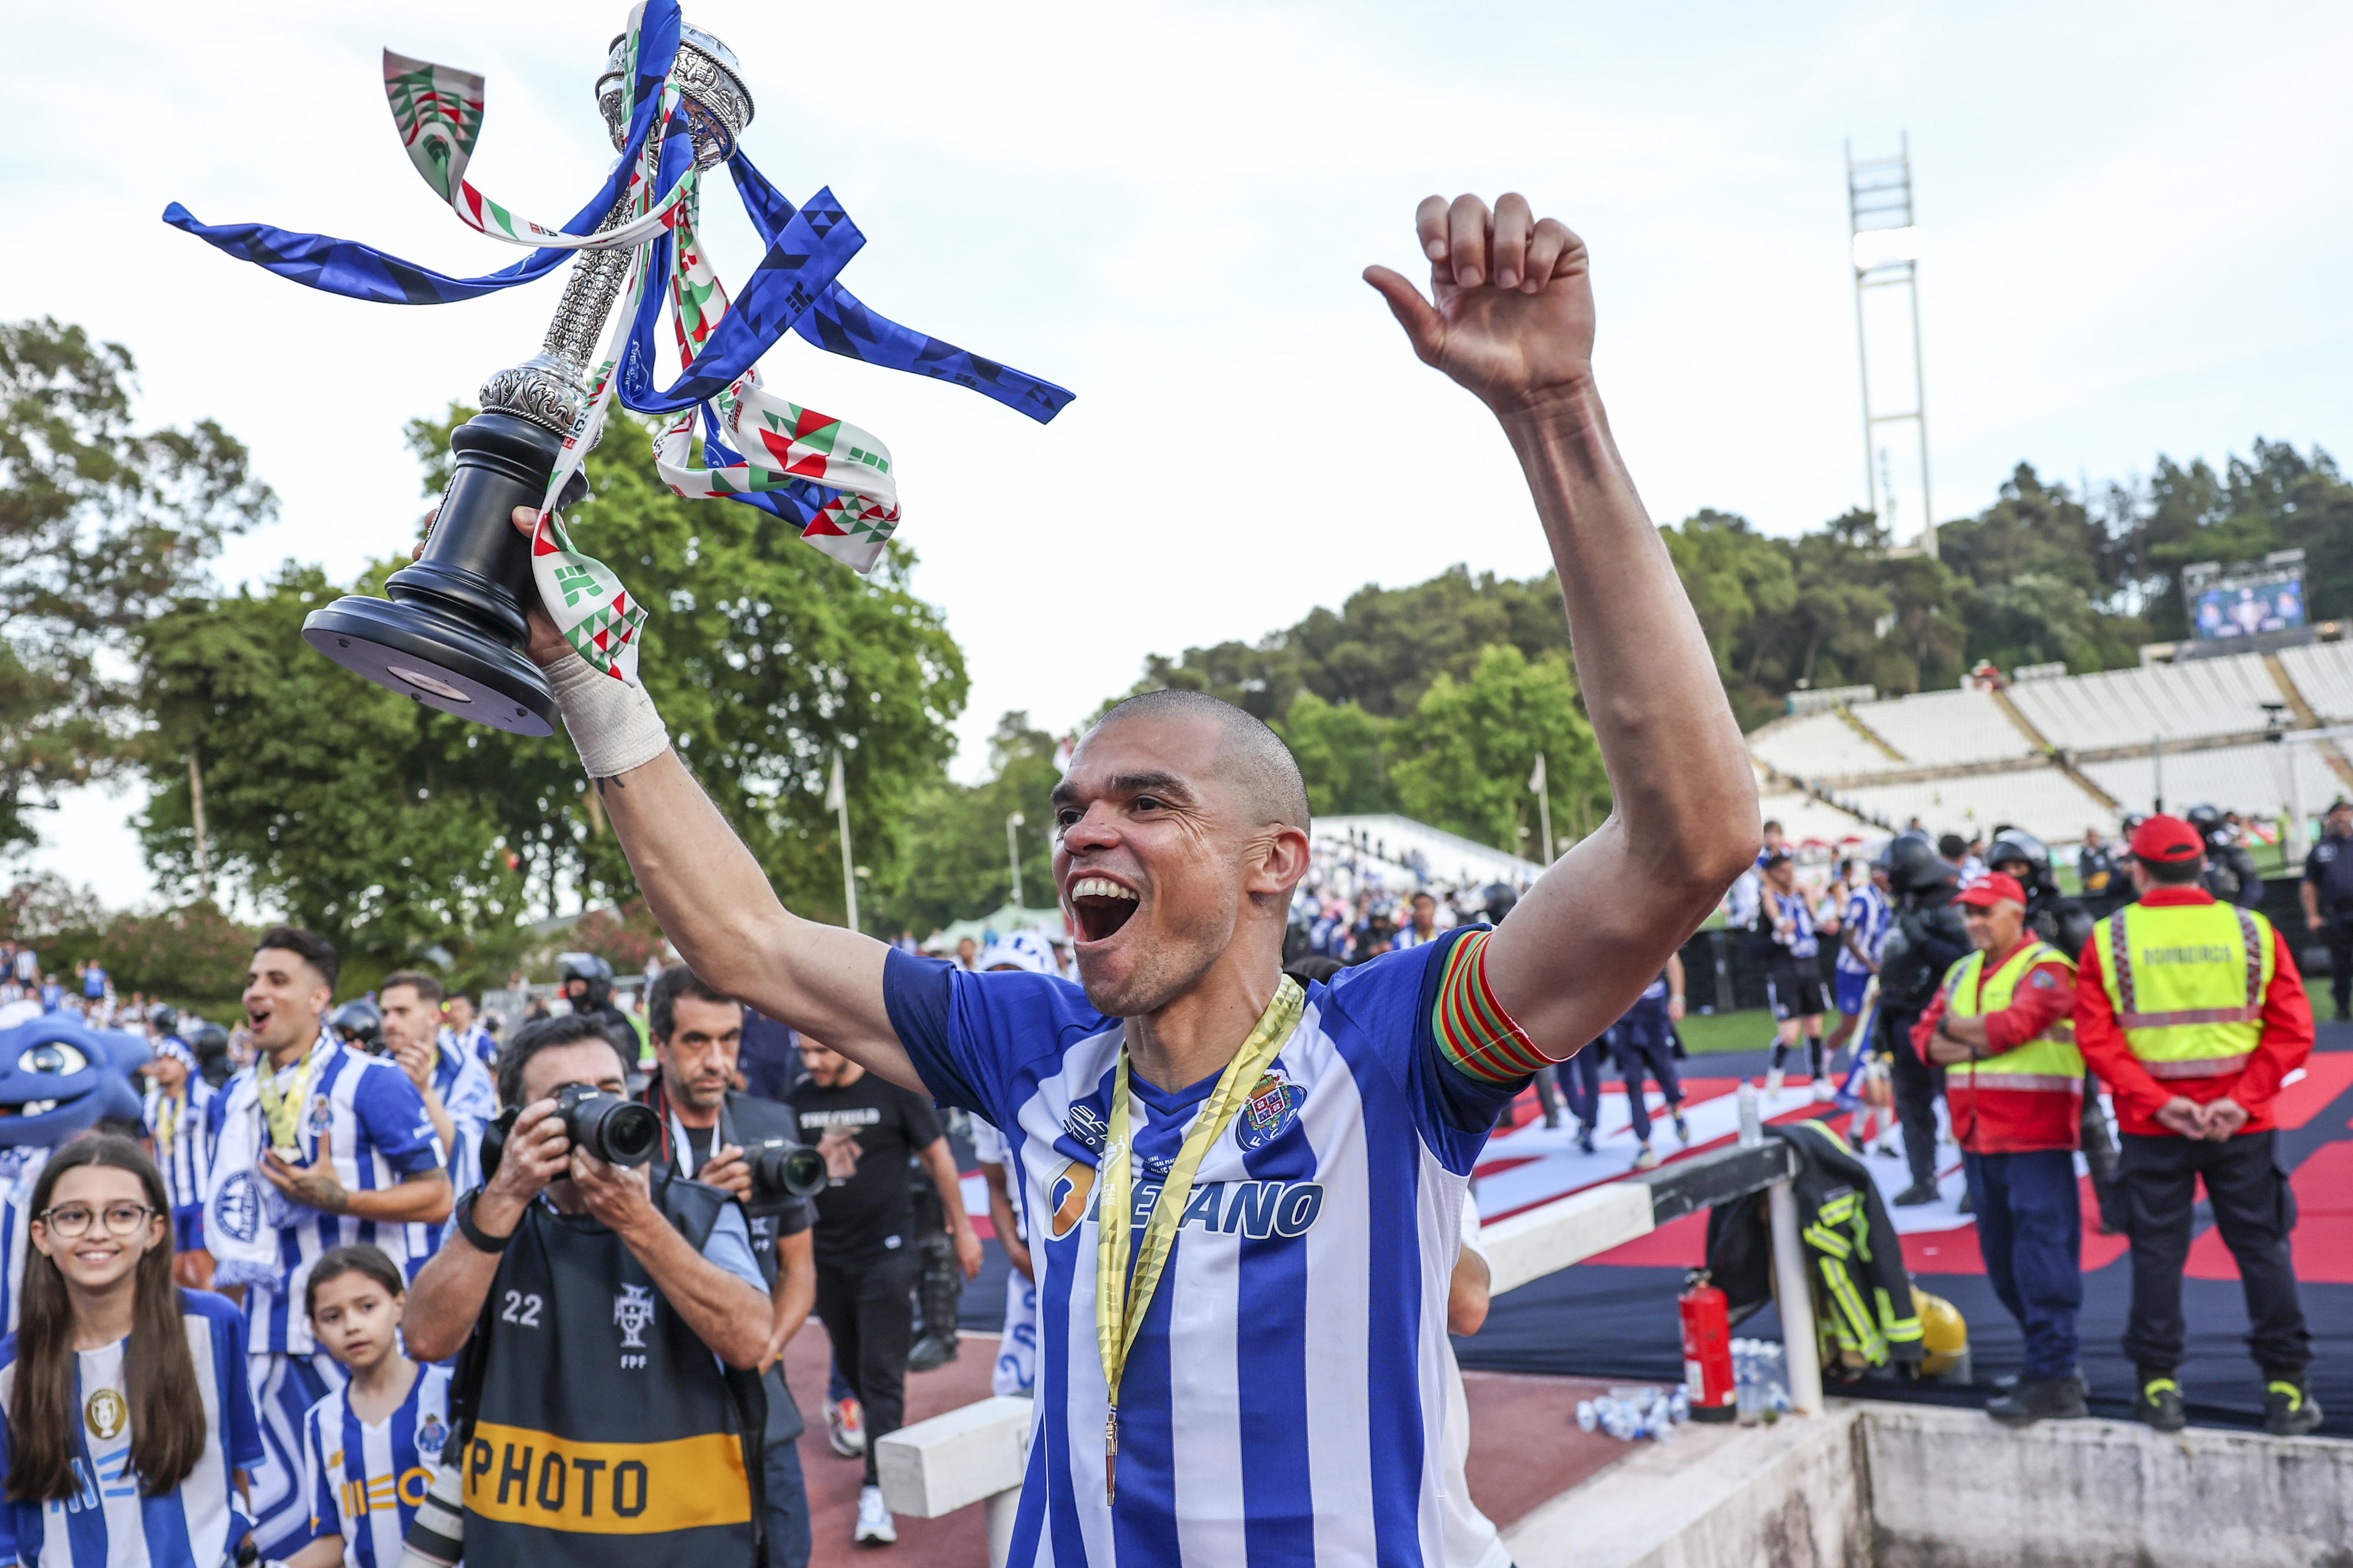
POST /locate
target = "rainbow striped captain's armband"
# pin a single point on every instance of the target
(1477, 1036)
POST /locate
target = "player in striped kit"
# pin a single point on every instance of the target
(1243, 1196)
(371, 1447)
(320, 1146)
(177, 1111)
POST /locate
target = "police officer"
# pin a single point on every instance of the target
(587, 982)
(2193, 1012)
(1927, 937)
(2327, 895)
(2063, 923)
(2230, 874)
(2000, 1029)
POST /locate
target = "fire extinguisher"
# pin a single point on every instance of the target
(1707, 1350)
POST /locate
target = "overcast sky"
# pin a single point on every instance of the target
(2135, 225)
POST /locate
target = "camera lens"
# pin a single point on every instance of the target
(782, 1170)
(617, 1132)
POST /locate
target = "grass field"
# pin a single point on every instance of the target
(1709, 1032)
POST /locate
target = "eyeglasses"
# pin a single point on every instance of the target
(73, 1219)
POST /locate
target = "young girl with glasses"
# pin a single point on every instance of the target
(371, 1447)
(129, 1430)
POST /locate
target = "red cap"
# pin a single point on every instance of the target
(2167, 841)
(1991, 889)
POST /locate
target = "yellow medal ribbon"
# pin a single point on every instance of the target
(167, 1122)
(1118, 1313)
(282, 1112)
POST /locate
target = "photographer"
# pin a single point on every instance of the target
(867, 1127)
(599, 1308)
(734, 1141)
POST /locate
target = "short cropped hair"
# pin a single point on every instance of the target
(427, 988)
(2173, 873)
(546, 1034)
(314, 950)
(1254, 759)
(669, 986)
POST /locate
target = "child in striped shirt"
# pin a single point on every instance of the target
(371, 1447)
(130, 1429)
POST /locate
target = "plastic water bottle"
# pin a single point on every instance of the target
(1752, 1130)
(1588, 1418)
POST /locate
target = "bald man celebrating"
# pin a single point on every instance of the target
(1241, 1197)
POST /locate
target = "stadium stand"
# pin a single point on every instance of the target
(1809, 821)
(1819, 745)
(2116, 708)
(2323, 674)
(2251, 780)
(2043, 801)
(1946, 729)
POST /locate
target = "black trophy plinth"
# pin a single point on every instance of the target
(451, 635)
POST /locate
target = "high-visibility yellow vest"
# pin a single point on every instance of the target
(2186, 981)
(2049, 1061)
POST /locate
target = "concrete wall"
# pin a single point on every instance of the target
(1895, 1486)
(1786, 1496)
(1951, 1489)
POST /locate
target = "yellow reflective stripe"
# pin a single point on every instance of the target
(1900, 1330)
(518, 1476)
(1864, 1336)
(1830, 1241)
(2030, 1082)
(2189, 1016)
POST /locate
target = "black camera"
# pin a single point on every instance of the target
(782, 1169)
(617, 1131)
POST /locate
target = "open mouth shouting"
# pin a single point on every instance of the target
(1101, 905)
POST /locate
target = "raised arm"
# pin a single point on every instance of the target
(1513, 322)
(708, 893)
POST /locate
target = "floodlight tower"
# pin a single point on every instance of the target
(1886, 240)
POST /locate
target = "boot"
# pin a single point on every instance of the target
(2158, 1404)
(939, 1289)
(1584, 1136)
(1773, 1083)
(1918, 1193)
(2289, 1408)
(2040, 1399)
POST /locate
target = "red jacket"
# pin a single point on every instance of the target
(2012, 1121)
(2286, 1039)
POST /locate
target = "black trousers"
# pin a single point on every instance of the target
(1916, 1086)
(2253, 1208)
(2338, 934)
(868, 1312)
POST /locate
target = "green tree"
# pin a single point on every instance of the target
(956, 865)
(1461, 760)
(1340, 752)
(101, 527)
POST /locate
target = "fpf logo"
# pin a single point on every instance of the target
(633, 1311)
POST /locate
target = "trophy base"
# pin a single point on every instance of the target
(435, 660)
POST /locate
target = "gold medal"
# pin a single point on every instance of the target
(106, 1414)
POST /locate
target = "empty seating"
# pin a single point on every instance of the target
(1946, 729)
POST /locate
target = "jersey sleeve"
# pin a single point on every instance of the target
(975, 1037)
(241, 1427)
(391, 1114)
(1453, 1089)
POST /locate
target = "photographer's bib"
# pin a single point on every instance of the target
(605, 1432)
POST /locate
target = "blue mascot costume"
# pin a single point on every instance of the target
(58, 1078)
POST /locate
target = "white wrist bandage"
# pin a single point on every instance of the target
(612, 721)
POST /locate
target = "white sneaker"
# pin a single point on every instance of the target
(1647, 1160)
(1822, 1089)
(874, 1523)
(845, 1428)
(1773, 1083)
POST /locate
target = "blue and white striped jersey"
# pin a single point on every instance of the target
(107, 1523)
(475, 1042)
(19, 1170)
(1306, 1299)
(1867, 912)
(367, 1119)
(471, 1101)
(183, 1133)
(367, 1481)
(1799, 940)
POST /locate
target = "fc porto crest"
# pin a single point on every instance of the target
(236, 1206)
(1271, 1110)
(431, 1436)
(323, 1114)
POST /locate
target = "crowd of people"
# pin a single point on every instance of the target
(1963, 973)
